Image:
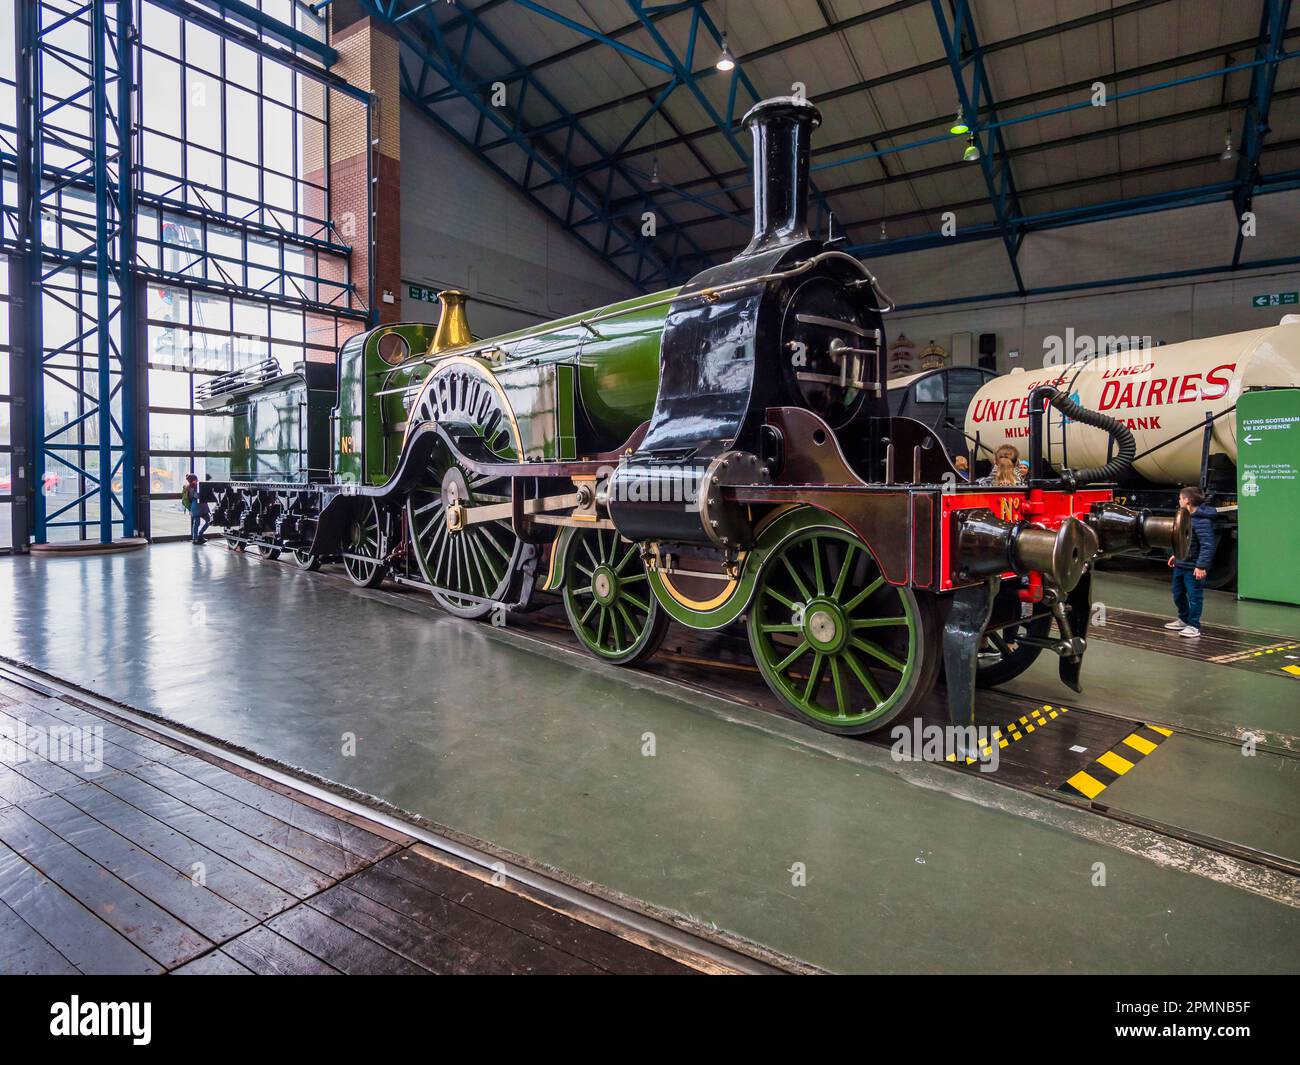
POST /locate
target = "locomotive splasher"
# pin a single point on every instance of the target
(719, 454)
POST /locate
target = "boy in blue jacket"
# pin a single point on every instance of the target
(1190, 570)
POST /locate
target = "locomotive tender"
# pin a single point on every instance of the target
(715, 454)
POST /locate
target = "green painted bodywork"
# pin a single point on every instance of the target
(277, 432)
(573, 391)
(779, 528)
(369, 427)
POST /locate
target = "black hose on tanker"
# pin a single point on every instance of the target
(1126, 446)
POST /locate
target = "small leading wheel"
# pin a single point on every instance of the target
(268, 552)
(363, 552)
(311, 563)
(841, 647)
(608, 598)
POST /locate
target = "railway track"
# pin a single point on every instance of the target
(719, 665)
(1041, 768)
(1043, 748)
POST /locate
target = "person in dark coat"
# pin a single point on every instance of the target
(200, 511)
(1190, 570)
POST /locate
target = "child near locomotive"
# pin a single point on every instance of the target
(718, 454)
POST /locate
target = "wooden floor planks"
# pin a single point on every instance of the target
(139, 855)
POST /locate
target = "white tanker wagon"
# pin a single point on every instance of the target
(1176, 399)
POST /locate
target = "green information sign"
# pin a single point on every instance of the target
(1274, 299)
(417, 292)
(1268, 491)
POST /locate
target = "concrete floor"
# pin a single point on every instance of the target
(910, 867)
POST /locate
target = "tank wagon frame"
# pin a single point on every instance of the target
(715, 455)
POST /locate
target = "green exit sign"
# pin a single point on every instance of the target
(429, 295)
(1274, 299)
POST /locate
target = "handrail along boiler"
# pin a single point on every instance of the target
(718, 454)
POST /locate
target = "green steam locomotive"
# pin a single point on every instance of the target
(718, 454)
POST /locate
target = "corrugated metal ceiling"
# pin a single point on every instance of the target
(879, 72)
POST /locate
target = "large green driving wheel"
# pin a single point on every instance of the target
(472, 565)
(608, 598)
(363, 551)
(841, 647)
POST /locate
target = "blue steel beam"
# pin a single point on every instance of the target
(619, 210)
(683, 69)
(1216, 192)
(977, 101)
(962, 46)
(77, 209)
(259, 21)
(615, 157)
(596, 35)
(427, 39)
(1268, 55)
(202, 16)
(104, 79)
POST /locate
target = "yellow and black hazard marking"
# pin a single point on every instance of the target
(1016, 730)
(1282, 658)
(1092, 781)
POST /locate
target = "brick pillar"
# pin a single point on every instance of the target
(368, 59)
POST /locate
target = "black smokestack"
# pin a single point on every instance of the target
(782, 129)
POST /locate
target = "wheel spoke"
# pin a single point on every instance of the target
(839, 686)
(819, 580)
(631, 553)
(858, 599)
(878, 652)
(845, 568)
(798, 579)
(877, 623)
(793, 656)
(814, 677)
(864, 676)
(493, 541)
(493, 568)
(633, 629)
(640, 604)
(779, 626)
(475, 553)
(788, 603)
